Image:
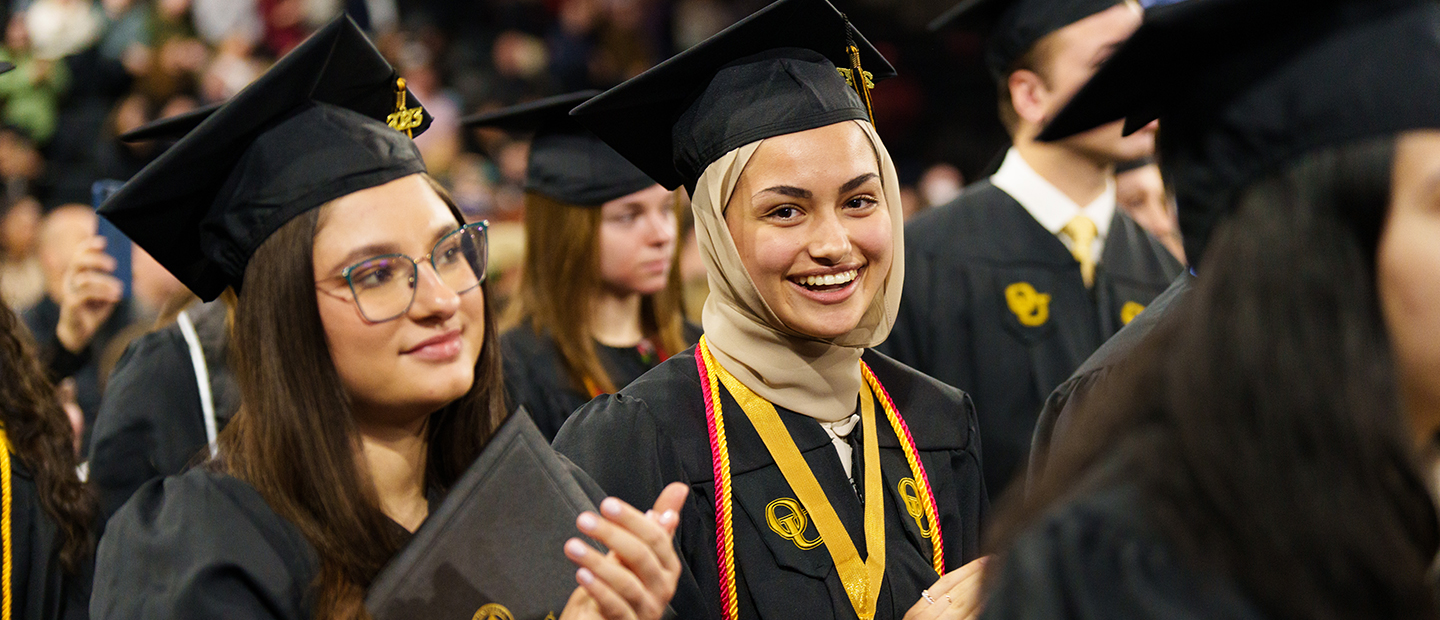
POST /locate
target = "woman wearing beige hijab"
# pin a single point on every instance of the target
(828, 480)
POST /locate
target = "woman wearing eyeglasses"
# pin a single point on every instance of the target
(599, 298)
(366, 359)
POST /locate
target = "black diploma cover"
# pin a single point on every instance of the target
(494, 547)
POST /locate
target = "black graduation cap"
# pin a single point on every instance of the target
(567, 162)
(1013, 27)
(1242, 86)
(171, 127)
(770, 74)
(495, 543)
(315, 127)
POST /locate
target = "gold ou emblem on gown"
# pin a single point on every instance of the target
(493, 611)
(788, 519)
(910, 492)
(1030, 306)
(1129, 311)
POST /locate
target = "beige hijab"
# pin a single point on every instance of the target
(815, 377)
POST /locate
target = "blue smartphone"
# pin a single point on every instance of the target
(117, 245)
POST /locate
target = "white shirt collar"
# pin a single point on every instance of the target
(1047, 204)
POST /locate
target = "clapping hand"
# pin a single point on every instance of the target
(636, 579)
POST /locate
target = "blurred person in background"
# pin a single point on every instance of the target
(1140, 193)
(1015, 283)
(83, 308)
(31, 93)
(22, 279)
(599, 301)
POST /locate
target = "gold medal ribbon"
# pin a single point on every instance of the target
(862, 579)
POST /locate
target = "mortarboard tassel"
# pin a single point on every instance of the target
(866, 80)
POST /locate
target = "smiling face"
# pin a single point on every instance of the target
(812, 228)
(396, 372)
(637, 241)
(1408, 277)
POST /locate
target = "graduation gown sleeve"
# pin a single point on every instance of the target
(41, 588)
(202, 545)
(1096, 560)
(1061, 407)
(150, 423)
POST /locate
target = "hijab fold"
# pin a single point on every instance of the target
(816, 377)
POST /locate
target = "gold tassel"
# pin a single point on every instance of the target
(404, 118)
(866, 79)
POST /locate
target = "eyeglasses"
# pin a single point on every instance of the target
(384, 286)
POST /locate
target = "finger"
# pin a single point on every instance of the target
(926, 609)
(635, 540)
(95, 287)
(611, 605)
(671, 500)
(969, 577)
(92, 256)
(618, 580)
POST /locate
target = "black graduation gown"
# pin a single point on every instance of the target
(958, 324)
(1098, 558)
(536, 378)
(1062, 405)
(150, 423)
(654, 432)
(41, 588)
(202, 545)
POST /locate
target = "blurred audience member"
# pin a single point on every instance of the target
(82, 308)
(31, 92)
(22, 280)
(940, 184)
(1140, 192)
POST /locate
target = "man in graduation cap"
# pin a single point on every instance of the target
(1022, 277)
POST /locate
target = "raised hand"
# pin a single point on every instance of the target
(636, 579)
(89, 295)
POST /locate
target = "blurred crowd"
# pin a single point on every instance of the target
(88, 71)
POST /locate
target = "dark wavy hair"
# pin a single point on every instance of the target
(41, 437)
(294, 436)
(1261, 420)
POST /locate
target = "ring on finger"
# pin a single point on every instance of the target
(925, 594)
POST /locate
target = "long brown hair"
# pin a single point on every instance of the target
(41, 437)
(294, 437)
(561, 277)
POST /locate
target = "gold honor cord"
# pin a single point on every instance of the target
(862, 579)
(6, 537)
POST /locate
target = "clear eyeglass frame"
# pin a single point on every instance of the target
(463, 256)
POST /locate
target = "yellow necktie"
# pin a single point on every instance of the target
(1082, 233)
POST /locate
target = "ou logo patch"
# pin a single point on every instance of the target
(789, 520)
(1031, 307)
(493, 611)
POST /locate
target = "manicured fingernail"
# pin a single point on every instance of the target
(667, 518)
(585, 576)
(610, 507)
(650, 514)
(576, 548)
(587, 521)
